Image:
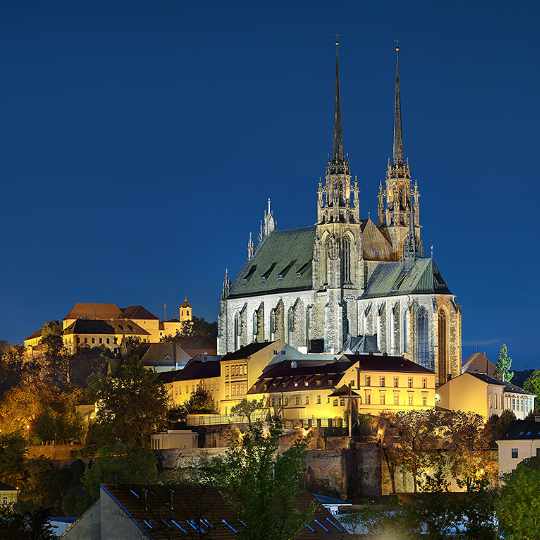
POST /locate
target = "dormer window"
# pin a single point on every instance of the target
(285, 270)
(250, 272)
(303, 268)
(266, 275)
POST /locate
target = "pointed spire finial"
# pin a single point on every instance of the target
(397, 151)
(250, 247)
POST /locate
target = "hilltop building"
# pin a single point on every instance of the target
(107, 325)
(329, 287)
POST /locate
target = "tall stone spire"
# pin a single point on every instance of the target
(397, 151)
(338, 163)
(338, 153)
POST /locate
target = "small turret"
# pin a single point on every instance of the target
(185, 311)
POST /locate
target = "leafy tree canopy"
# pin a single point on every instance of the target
(532, 385)
(504, 364)
(265, 487)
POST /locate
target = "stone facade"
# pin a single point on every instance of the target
(362, 279)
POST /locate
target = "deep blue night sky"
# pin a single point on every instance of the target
(139, 141)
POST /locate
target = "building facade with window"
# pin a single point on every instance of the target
(521, 441)
(325, 287)
(484, 395)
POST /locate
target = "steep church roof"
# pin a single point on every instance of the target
(375, 246)
(281, 263)
(393, 279)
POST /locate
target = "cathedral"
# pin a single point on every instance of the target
(348, 284)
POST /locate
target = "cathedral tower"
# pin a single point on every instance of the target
(399, 201)
(337, 248)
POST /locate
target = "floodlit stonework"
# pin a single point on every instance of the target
(330, 286)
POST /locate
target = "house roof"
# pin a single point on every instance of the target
(195, 345)
(523, 430)
(6, 487)
(344, 391)
(384, 362)
(86, 326)
(480, 363)
(394, 278)
(375, 246)
(514, 389)
(247, 350)
(161, 354)
(194, 370)
(281, 263)
(284, 377)
(34, 335)
(162, 512)
(138, 312)
(94, 311)
(486, 378)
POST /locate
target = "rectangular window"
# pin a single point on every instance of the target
(410, 382)
(101, 340)
(515, 453)
(396, 382)
(318, 400)
(307, 400)
(424, 400)
(351, 384)
(424, 383)
(342, 402)
(368, 380)
(396, 398)
(335, 402)
(297, 400)
(382, 398)
(286, 401)
(93, 340)
(368, 398)
(411, 398)
(382, 381)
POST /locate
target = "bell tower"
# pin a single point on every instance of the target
(337, 249)
(399, 200)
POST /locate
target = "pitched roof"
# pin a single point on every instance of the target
(247, 350)
(514, 389)
(393, 278)
(160, 354)
(94, 311)
(343, 391)
(284, 377)
(375, 246)
(281, 263)
(137, 312)
(162, 512)
(195, 345)
(486, 378)
(384, 362)
(523, 429)
(194, 370)
(84, 326)
(480, 363)
(35, 334)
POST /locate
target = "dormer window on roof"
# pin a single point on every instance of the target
(285, 270)
(250, 272)
(266, 274)
(303, 268)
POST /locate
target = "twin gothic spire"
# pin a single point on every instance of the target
(339, 162)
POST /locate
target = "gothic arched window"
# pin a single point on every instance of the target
(237, 330)
(346, 260)
(422, 337)
(273, 324)
(405, 330)
(442, 346)
(395, 330)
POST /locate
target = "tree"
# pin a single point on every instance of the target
(532, 385)
(263, 486)
(25, 526)
(497, 426)
(200, 401)
(132, 404)
(518, 504)
(12, 452)
(120, 464)
(247, 408)
(504, 363)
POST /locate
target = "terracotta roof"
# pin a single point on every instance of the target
(164, 512)
(247, 350)
(94, 311)
(138, 312)
(384, 362)
(84, 326)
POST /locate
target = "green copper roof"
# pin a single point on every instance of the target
(281, 263)
(393, 278)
